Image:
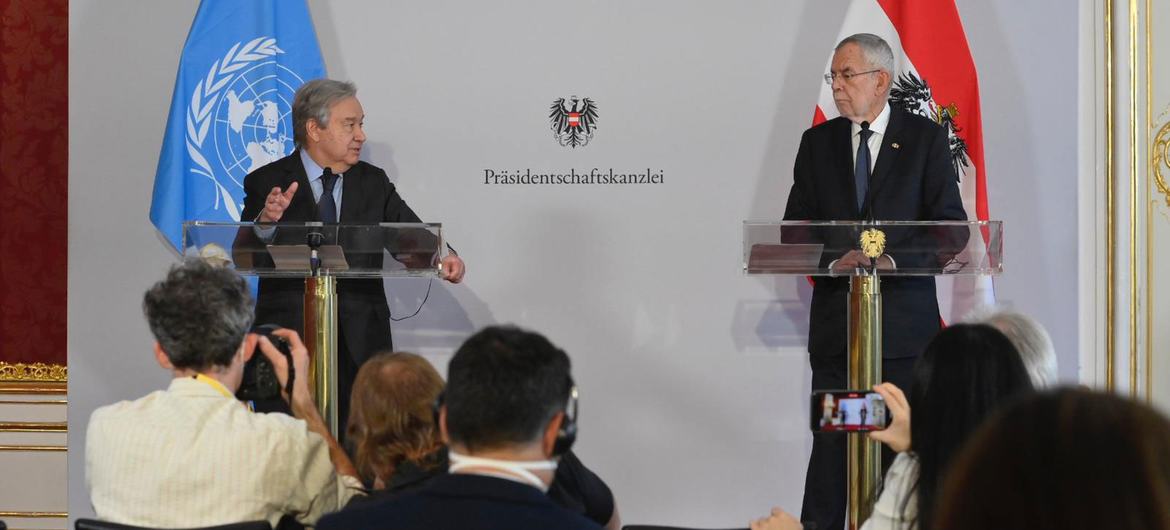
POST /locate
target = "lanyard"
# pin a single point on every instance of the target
(214, 384)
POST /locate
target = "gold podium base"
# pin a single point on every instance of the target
(864, 460)
(321, 341)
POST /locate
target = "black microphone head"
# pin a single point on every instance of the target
(864, 127)
(314, 240)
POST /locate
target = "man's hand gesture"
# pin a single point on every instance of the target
(276, 202)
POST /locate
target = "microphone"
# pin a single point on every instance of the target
(314, 240)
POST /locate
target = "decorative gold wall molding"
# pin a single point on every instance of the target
(32, 426)
(1110, 213)
(28, 387)
(1160, 161)
(34, 372)
(33, 448)
(33, 515)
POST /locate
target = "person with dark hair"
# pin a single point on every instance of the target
(193, 455)
(398, 446)
(966, 372)
(1071, 459)
(507, 413)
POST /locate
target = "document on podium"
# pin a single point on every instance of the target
(296, 257)
(797, 258)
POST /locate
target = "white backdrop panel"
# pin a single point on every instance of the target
(694, 378)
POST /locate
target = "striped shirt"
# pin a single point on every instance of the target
(190, 457)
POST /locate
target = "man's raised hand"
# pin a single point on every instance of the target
(276, 202)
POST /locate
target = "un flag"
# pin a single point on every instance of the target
(231, 111)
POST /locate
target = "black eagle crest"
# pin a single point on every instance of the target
(913, 95)
(573, 125)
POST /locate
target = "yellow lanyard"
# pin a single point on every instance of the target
(214, 384)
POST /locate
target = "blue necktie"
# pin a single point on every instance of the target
(327, 206)
(861, 172)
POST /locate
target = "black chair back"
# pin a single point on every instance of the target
(94, 524)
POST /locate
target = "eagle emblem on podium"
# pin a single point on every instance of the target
(573, 123)
(873, 243)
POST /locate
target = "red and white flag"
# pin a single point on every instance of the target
(934, 76)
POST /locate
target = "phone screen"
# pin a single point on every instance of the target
(848, 411)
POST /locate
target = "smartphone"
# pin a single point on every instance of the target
(848, 411)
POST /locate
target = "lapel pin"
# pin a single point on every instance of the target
(895, 145)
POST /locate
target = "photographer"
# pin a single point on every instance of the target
(193, 455)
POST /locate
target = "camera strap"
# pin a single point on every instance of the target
(214, 384)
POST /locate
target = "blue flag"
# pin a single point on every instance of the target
(231, 111)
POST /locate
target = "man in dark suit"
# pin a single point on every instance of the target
(910, 177)
(508, 411)
(323, 180)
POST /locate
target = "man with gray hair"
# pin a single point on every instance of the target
(324, 180)
(1027, 335)
(193, 455)
(872, 162)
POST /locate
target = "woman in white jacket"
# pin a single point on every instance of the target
(966, 372)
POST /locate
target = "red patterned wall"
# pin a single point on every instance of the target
(34, 179)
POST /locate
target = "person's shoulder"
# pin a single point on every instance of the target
(372, 512)
(276, 168)
(566, 519)
(368, 172)
(124, 409)
(354, 517)
(824, 129)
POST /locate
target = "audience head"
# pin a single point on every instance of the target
(199, 316)
(1029, 338)
(506, 388)
(391, 417)
(1071, 459)
(966, 372)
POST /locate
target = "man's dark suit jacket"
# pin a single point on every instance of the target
(461, 502)
(914, 181)
(367, 196)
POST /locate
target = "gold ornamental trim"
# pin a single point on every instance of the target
(33, 448)
(33, 401)
(30, 387)
(34, 372)
(33, 426)
(1160, 160)
(33, 515)
(1110, 213)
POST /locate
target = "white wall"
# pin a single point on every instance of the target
(694, 379)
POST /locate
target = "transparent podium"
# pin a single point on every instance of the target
(892, 249)
(320, 254)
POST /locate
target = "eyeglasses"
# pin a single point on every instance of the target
(829, 77)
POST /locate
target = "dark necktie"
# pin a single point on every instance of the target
(327, 206)
(861, 171)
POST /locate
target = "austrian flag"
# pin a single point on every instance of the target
(935, 77)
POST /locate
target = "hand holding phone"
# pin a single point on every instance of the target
(897, 436)
(848, 411)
